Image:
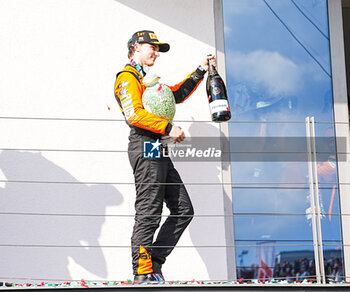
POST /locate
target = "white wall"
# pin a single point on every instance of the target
(58, 60)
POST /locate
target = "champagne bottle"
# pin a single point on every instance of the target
(217, 95)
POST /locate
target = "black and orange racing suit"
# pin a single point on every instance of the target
(155, 178)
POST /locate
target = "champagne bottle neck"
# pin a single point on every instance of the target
(212, 70)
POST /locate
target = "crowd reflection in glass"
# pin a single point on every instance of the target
(299, 270)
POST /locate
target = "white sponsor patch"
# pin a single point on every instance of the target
(123, 91)
(126, 103)
(123, 84)
(125, 97)
(128, 108)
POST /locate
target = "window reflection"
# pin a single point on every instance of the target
(277, 64)
(273, 259)
(278, 73)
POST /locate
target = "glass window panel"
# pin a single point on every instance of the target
(271, 200)
(277, 73)
(333, 261)
(273, 227)
(286, 261)
(294, 262)
(284, 227)
(277, 173)
(331, 227)
(278, 65)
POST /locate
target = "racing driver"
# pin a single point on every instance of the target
(156, 179)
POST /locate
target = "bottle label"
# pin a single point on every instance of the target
(219, 105)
